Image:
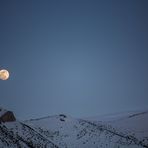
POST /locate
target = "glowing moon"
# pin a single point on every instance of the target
(4, 74)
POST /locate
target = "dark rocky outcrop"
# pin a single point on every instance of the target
(8, 116)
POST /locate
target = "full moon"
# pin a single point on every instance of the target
(4, 74)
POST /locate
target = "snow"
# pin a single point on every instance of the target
(137, 124)
(133, 122)
(130, 123)
(76, 132)
(115, 116)
(126, 130)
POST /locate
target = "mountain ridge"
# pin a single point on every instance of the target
(62, 131)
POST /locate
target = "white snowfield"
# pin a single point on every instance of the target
(135, 122)
(60, 131)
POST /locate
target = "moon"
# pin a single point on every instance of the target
(4, 74)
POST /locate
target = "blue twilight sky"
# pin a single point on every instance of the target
(78, 57)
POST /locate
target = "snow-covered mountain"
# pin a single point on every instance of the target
(60, 131)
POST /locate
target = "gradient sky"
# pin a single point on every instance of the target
(78, 57)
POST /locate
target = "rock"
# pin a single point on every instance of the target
(7, 116)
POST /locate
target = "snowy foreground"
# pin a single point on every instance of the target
(129, 130)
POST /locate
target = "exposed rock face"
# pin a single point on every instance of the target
(8, 116)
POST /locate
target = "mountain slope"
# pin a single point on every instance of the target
(133, 123)
(66, 132)
(69, 132)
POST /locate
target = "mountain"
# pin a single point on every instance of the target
(60, 131)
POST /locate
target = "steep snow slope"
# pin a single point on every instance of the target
(132, 123)
(136, 123)
(17, 134)
(66, 132)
